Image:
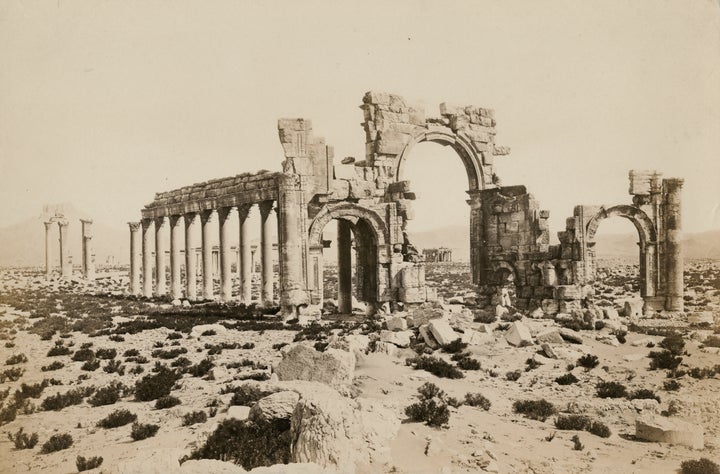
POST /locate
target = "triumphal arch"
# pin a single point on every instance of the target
(372, 203)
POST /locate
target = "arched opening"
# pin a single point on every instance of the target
(439, 222)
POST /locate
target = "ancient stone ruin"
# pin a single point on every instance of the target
(88, 263)
(372, 204)
(438, 255)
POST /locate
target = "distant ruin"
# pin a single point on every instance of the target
(88, 263)
(372, 203)
(438, 255)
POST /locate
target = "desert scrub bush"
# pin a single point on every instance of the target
(513, 375)
(201, 368)
(194, 417)
(13, 374)
(83, 354)
(664, 360)
(116, 338)
(86, 464)
(117, 418)
(55, 365)
(610, 390)
(582, 423)
(643, 394)
(106, 353)
(674, 343)
(620, 335)
(90, 365)
(181, 362)
(577, 445)
(209, 332)
(454, 347)
(432, 408)
(56, 443)
(108, 395)
(61, 400)
(699, 466)
(704, 372)
(21, 440)
(167, 401)
(174, 335)
(114, 367)
(588, 361)
(16, 359)
(244, 394)
(534, 409)
(671, 385)
(58, 350)
(31, 391)
(131, 353)
(531, 364)
(566, 379)
(247, 443)
(154, 386)
(168, 354)
(477, 400)
(436, 366)
(142, 431)
(712, 341)
(137, 370)
(468, 363)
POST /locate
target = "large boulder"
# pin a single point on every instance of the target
(442, 332)
(669, 430)
(427, 336)
(551, 336)
(518, 335)
(333, 367)
(279, 405)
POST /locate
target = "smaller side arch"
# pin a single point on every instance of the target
(641, 221)
(347, 210)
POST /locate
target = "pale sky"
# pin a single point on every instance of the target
(104, 103)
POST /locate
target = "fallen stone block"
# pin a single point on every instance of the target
(518, 335)
(399, 338)
(547, 350)
(633, 309)
(428, 337)
(551, 336)
(238, 411)
(382, 347)
(277, 406)
(396, 324)
(333, 367)
(669, 430)
(198, 330)
(571, 336)
(611, 313)
(442, 331)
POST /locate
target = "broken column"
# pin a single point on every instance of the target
(245, 259)
(207, 265)
(134, 258)
(673, 244)
(160, 246)
(88, 266)
(65, 264)
(190, 258)
(175, 257)
(48, 251)
(147, 266)
(225, 268)
(344, 237)
(266, 291)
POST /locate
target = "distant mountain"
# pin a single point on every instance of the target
(23, 244)
(697, 245)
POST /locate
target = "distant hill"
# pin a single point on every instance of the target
(697, 245)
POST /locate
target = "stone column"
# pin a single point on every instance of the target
(160, 246)
(206, 218)
(674, 262)
(266, 291)
(48, 251)
(190, 258)
(87, 262)
(245, 259)
(176, 236)
(476, 238)
(147, 266)
(344, 238)
(65, 264)
(134, 258)
(225, 254)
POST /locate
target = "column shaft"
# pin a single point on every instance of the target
(134, 258)
(176, 236)
(65, 265)
(674, 261)
(225, 254)
(88, 265)
(190, 258)
(48, 251)
(160, 248)
(344, 267)
(266, 254)
(207, 270)
(147, 260)
(245, 261)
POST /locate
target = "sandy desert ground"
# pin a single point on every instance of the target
(349, 413)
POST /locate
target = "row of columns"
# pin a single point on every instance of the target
(88, 265)
(141, 265)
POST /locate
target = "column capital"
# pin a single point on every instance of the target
(160, 221)
(206, 215)
(63, 223)
(48, 225)
(224, 212)
(174, 219)
(86, 221)
(244, 211)
(265, 208)
(134, 226)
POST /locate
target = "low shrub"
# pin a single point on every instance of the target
(21, 440)
(152, 387)
(712, 341)
(167, 401)
(513, 375)
(465, 362)
(16, 359)
(704, 372)
(12, 374)
(454, 347)
(31, 391)
(534, 409)
(566, 379)
(117, 418)
(142, 431)
(56, 443)
(91, 365)
(588, 361)
(436, 366)
(673, 343)
(671, 385)
(599, 429)
(61, 400)
(174, 335)
(194, 417)
(106, 353)
(577, 445)
(531, 364)
(699, 466)
(108, 395)
(643, 394)
(664, 360)
(131, 353)
(181, 362)
(58, 350)
(86, 464)
(55, 365)
(611, 390)
(114, 367)
(245, 394)
(83, 354)
(432, 408)
(201, 368)
(168, 354)
(477, 400)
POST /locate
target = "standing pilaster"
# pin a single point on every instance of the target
(224, 250)
(88, 265)
(673, 244)
(245, 258)
(176, 235)
(266, 293)
(190, 258)
(206, 218)
(48, 251)
(147, 265)
(476, 238)
(344, 238)
(65, 263)
(160, 247)
(134, 258)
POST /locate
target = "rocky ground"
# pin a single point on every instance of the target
(334, 395)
